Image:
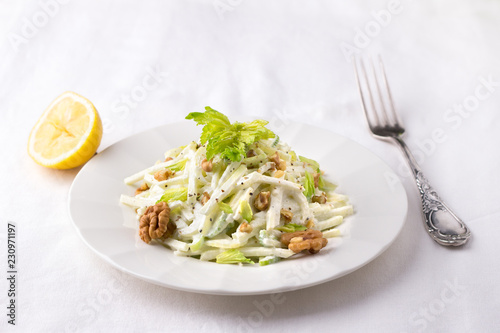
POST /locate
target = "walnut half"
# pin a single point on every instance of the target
(155, 223)
(299, 241)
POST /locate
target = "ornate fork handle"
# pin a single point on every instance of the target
(441, 223)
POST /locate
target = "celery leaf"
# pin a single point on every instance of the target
(232, 256)
(231, 141)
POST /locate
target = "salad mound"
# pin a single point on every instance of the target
(238, 196)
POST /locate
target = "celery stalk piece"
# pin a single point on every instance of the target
(232, 256)
(330, 223)
(313, 163)
(136, 202)
(157, 167)
(325, 185)
(219, 225)
(246, 210)
(267, 240)
(238, 238)
(291, 227)
(174, 152)
(175, 244)
(263, 252)
(275, 142)
(251, 252)
(242, 195)
(255, 161)
(268, 260)
(224, 190)
(306, 213)
(308, 185)
(332, 233)
(173, 194)
(227, 173)
(273, 213)
(201, 220)
(225, 207)
(323, 212)
(179, 166)
(195, 173)
(198, 241)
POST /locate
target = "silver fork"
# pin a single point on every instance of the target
(441, 223)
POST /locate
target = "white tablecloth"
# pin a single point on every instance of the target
(150, 63)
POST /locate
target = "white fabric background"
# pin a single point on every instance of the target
(276, 60)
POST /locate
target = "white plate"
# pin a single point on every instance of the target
(378, 197)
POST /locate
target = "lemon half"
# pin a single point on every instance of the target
(67, 134)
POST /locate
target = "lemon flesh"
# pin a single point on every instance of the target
(67, 134)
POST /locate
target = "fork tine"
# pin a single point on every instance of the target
(379, 93)
(394, 114)
(362, 69)
(360, 90)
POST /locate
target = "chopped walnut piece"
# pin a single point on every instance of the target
(279, 163)
(275, 158)
(204, 198)
(261, 202)
(206, 165)
(163, 175)
(279, 174)
(155, 223)
(144, 187)
(316, 176)
(168, 159)
(287, 215)
(282, 165)
(251, 153)
(321, 199)
(311, 240)
(245, 227)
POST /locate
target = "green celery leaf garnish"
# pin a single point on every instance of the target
(232, 256)
(308, 185)
(291, 227)
(231, 141)
(173, 194)
(225, 207)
